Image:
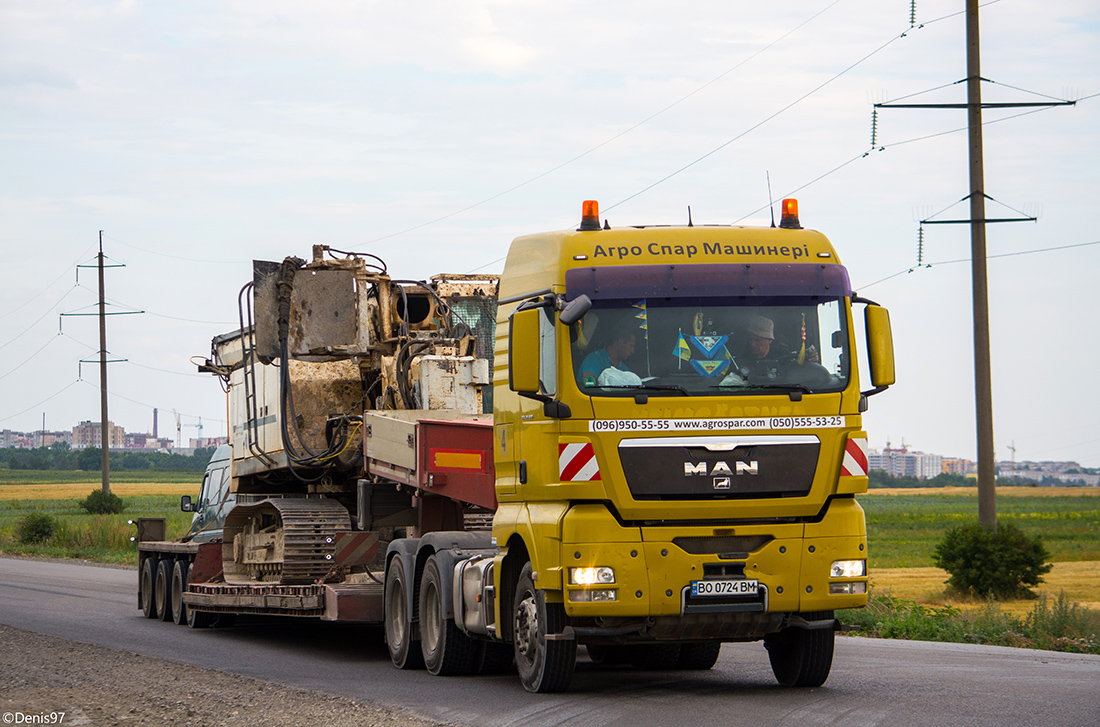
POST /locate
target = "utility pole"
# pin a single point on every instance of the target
(983, 388)
(104, 437)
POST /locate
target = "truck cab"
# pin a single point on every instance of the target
(215, 498)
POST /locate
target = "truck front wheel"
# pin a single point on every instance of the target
(404, 651)
(544, 665)
(447, 651)
(802, 657)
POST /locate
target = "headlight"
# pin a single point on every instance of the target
(848, 569)
(591, 576)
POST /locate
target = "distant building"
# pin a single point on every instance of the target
(207, 442)
(90, 434)
(957, 466)
(900, 462)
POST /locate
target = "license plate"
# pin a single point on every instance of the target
(731, 587)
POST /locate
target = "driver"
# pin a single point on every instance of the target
(756, 354)
(613, 355)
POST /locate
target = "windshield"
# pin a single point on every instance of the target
(711, 346)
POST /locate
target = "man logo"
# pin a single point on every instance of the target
(721, 468)
(721, 483)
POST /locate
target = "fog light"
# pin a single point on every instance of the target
(844, 589)
(596, 594)
(848, 569)
(591, 576)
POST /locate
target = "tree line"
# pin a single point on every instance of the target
(62, 458)
(880, 478)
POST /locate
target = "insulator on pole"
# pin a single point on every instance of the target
(874, 127)
(912, 13)
(920, 245)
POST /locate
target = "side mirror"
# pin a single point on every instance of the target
(185, 504)
(880, 348)
(523, 350)
(575, 309)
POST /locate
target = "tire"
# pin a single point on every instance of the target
(543, 665)
(446, 649)
(404, 650)
(147, 586)
(799, 657)
(495, 657)
(179, 585)
(162, 590)
(200, 619)
(699, 656)
(654, 657)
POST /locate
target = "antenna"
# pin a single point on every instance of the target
(770, 200)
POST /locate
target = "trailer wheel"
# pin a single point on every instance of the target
(699, 656)
(447, 650)
(405, 652)
(148, 587)
(544, 665)
(179, 585)
(200, 619)
(800, 657)
(163, 590)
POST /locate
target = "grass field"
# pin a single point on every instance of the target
(52, 477)
(904, 526)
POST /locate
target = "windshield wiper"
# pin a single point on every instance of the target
(666, 387)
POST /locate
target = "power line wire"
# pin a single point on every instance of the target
(966, 260)
(756, 126)
(35, 406)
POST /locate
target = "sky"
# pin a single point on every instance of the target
(199, 136)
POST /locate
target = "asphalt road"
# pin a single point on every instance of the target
(873, 682)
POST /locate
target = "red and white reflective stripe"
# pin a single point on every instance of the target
(855, 457)
(577, 462)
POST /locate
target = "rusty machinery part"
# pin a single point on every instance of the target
(282, 540)
(380, 266)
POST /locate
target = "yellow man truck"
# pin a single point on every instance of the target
(645, 441)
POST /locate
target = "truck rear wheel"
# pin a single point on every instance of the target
(163, 590)
(179, 585)
(447, 650)
(200, 619)
(544, 665)
(802, 657)
(404, 651)
(148, 587)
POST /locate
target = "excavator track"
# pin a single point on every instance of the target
(285, 541)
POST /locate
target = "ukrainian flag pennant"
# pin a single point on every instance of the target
(682, 350)
(641, 316)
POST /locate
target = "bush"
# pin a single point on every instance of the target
(36, 528)
(983, 563)
(101, 503)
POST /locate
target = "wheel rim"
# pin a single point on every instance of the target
(395, 621)
(431, 619)
(527, 626)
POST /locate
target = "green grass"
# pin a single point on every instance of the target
(47, 477)
(102, 538)
(1058, 626)
(903, 530)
